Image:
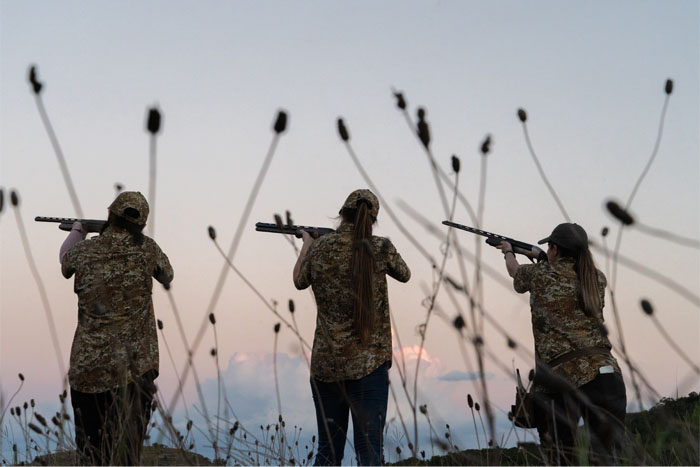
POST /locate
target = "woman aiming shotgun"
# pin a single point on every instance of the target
(351, 352)
(576, 375)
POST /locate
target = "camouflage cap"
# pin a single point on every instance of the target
(569, 236)
(128, 200)
(362, 195)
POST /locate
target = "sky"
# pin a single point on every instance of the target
(590, 75)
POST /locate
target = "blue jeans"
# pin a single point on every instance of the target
(366, 400)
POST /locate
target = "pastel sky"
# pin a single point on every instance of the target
(590, 75)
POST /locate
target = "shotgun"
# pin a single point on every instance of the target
(531, 251)
(66, 223)
(292, 229)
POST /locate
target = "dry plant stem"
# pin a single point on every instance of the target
(218, 390)
(443, 176)
(675, 346)
(152, 186)
(669, 236)
(623, 350)
(542, 174)
(59, 155)
(234, 246)
(654, 275)
(277, 383)
(638, 183)
(42, 293)
(436, 289)
(403, 423)
(264, 300)
(419, 218)
(386, 206)
(177, 374)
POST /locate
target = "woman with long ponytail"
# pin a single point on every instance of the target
(576, 375)
(351, 352)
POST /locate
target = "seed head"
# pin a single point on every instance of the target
(619, 213)
(486, 145)
(118, 187)
(478, 341)
(2, 198)
(511, 343)
(278, 221)
(153, 122)
(14, 198)
(21, 377)
(470, 401)
(422, 453)
(423, 128)
(291, 305)
(32, 403)
(212, 232)
(26, 405)
(477, 406)
(410, 446)
(18, 410)
(605, 232)
(36, 84)
(400, 101)
(646, 306)
(669, 86)
(33, 427)
(531, 375)
(398, 450)
(160, 324)
(423, 409)
(189, 425)
(281, 122)
(459, 323)
(40, 418)
(213, 352)
(277, 327)
(522, 115)
(455, 163)
(342, 130)
(212, 318)
(290, 222)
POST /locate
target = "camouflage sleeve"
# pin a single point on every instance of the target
(396, 266)
(522, 280)
(67, 268)
(304, 278)
(163, 271)
(602, 284)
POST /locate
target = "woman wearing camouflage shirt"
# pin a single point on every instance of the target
(351, 352)
(114, 356)
(576, 374)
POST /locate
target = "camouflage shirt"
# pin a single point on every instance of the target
(115, 341)
(338, 354)
(558, 324)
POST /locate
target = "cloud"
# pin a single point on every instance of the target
(461, 376)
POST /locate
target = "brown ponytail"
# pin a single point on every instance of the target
(588, 295)
(587, 275)
(362, 269)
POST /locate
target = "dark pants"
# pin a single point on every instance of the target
(366, 400)
(602, 404)
(110, 426)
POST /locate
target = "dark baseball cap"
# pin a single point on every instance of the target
(569, 236)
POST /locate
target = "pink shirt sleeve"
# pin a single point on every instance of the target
(76, 235)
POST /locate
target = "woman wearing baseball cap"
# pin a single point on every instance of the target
(114, 356)
(576, 374)
(351, 352)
